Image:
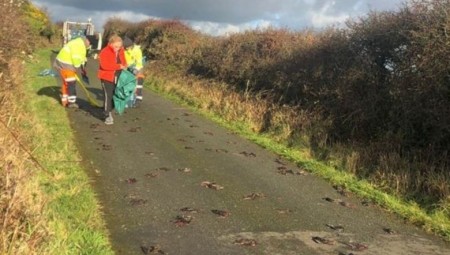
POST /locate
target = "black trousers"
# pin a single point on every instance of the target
(108, 90)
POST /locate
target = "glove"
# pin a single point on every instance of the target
(83, 70)
(133, 70)
(84, 74)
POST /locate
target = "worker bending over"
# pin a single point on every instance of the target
(70, 58)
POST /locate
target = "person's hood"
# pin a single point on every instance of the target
(127, 42)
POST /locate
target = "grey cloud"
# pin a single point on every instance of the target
(285, 13)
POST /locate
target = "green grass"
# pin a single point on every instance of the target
(437, 222)
(73, 214)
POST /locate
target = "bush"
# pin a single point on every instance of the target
(168, 40)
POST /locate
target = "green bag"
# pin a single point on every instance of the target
(125, 88)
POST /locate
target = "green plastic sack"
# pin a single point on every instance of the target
(125, 88)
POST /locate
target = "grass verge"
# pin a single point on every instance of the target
(214, 103)
(70, 211)
(21, 231)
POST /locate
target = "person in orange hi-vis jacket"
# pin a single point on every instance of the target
(71, 57)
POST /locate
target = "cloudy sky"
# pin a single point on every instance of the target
(219, 17)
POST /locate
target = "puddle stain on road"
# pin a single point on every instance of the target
(332, 243)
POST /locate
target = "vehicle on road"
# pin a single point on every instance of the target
(74, 29)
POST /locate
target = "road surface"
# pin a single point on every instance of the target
(172, 182)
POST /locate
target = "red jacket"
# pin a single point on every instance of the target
(108, 63)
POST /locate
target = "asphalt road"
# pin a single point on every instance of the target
(237, 197)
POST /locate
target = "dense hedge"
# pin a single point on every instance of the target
(170, 40)
(381, 82)
(386, 74)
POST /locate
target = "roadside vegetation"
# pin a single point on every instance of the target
(366, 106)
(46, 203)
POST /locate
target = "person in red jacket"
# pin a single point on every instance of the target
(112, 62)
